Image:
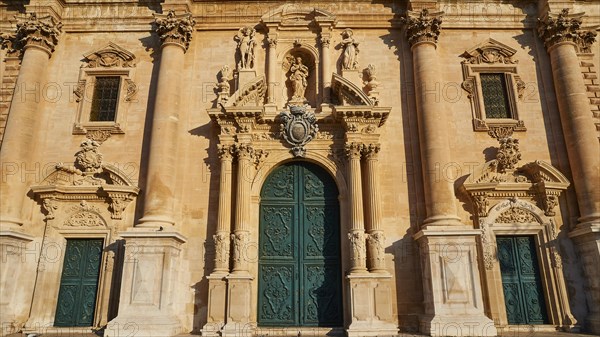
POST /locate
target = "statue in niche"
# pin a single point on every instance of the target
(350, 56)
(298, 75)
(245, 44)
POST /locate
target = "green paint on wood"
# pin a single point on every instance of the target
(299, 249)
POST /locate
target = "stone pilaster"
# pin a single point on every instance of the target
(175, 32)
(375, 234)
(35, 37)
(357, 225)
(563, 38)
(271, 66)
(452, 290)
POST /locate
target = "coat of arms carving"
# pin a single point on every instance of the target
(298, 128)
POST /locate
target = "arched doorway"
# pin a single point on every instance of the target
(299, 276)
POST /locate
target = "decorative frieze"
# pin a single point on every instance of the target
(422, 26)
(175, 29)
(32, 31)
(564, 27)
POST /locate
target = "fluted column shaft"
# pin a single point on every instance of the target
(241, 233)
(159, 201)
(23, 122)
(375, 234)
(271, 66)
(357, 226)
(578, 127)
(221, 238)
(435, 151)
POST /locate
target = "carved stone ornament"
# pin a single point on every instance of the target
(98, 136)
(481, 203)
(548, 203)
(221, 241)
(110, 56)
(223, 87)
(376, 245)
(508, 155)
(298, 128)
(240, 240)
(516, 215)
(85, 216)
(486, 242)
(358, 252)
(175, 29)
(353, 150)
(50, 206)
(564, 27)
(422, 26)
(490, 52)
(350, 50)
(370, 151)
(88, 159)
(245, 47)
(33, 31)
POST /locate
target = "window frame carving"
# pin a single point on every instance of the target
(108, 61)
(492, 56)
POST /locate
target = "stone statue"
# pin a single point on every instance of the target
(298, 75)
(350, 56)
(245, 44)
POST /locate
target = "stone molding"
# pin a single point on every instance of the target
(564, 27)
(33, 31)
(175, 29)
(422, 26)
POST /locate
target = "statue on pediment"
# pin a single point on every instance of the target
(350, 56)
(245, 44)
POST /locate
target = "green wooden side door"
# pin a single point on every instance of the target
(79, 283)
(299, 249)
(521, 282)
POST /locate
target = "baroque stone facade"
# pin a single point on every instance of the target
(288, 168)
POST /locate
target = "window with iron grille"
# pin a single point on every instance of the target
(105, 99)
(495, 95)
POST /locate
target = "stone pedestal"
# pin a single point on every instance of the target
(587, 240)
(217, 296)
(371, 305)
(239, 299)
(150, 275)
(12, 262)
(452, 288)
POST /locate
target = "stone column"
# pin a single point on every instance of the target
(452, 288)
(239, 288)
(271, 66)
(326, 66)
(375, 235)
(36, 38)
(357, 224)
(217, 284)
(175, 32)
(562, 39)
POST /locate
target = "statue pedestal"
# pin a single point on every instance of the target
(217, 295)
(244, 76)
(371, 305)
(149, 285)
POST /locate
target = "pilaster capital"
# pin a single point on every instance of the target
(370, 151)
(33, 31)
(353, 150)
(422, 26)
(225, 152)
(564, 27)
(175, 28)
(325, 41)
(244, 151)
(272, 42)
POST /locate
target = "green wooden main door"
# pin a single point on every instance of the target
(521, 282)
(79, 283)
(299, 248)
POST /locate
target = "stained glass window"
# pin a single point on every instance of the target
(495, 95)
(104, 101)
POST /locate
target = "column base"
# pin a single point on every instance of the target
(452, 289)
(217, 295)
(239, 299)
(371, 305)
(144, 324)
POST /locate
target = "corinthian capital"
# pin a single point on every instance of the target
(244, 151)
(32, 31)
(564, 27)
(422, 26)
(370, 151)
(353, 150)
(175, 29)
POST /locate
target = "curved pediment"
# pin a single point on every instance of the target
(252, 94)
(110, 56)
(490, 51)
(531, 173)
(348, 93)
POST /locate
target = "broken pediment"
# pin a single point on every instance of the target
(344, 92)
(251, 94)
(110, 56)
(490, 51)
